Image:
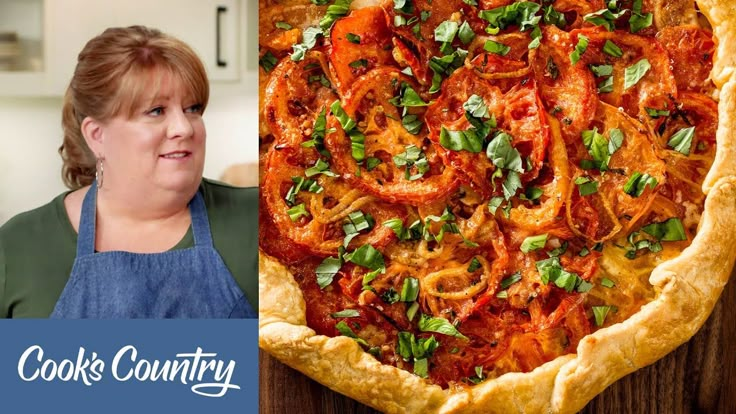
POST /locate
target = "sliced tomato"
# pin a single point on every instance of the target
(568, 91)
(295, 96)
(350, 60)
(369, 104)
(691, 51)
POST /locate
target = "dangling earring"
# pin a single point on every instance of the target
(99, 172)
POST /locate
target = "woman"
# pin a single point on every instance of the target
(141, 234)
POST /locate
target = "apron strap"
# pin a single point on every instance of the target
(87, 222)
(86, 237)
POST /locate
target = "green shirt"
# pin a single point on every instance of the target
(38, 247)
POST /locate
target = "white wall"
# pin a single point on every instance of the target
(30, 135)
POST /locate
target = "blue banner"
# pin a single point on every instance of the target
(129, 366)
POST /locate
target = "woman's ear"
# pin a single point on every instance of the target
(92, 132)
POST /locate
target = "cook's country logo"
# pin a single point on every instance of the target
(189, 369)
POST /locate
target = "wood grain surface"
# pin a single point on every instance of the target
(698, 377)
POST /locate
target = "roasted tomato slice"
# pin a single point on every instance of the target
(567, 91)
(319, 229)
(349, 59)
(691, 51)
(654, 89)
(296, 94)
(409, 170)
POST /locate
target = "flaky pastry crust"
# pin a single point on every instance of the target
(687, 288)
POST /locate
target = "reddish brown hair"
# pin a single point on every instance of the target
(112, 78)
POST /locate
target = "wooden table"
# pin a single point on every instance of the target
(698, 377)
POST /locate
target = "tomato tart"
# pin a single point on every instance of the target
(491, 206)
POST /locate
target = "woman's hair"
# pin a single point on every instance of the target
(113, 77)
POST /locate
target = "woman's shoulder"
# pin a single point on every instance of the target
(221, 198)
(41, 223)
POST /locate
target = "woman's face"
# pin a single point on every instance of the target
(161, 147)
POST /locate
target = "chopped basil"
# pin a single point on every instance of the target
(446, 31)
(318, 133)
(345, 330)
(439, 325)
(409, 348)
(479, 377)
(634, 73)
(390, 296)
(584, 251)
(345, 121)
(283, 25)
(494, 204)
(639, 21)
(604, 17)
(656, 113)
(297, 211)
(533, 243)
(682, 140)
(461, 140)
(412, 311)
(327, 270)
(309, 39)
(424, 15)
(580, 48)
(301, 183)
(334, 11)
(669, 230)
(497, 48)
(502, 154)
(522, 14)
(600, 313)
(412, 123)
(600, 148)
(366, 256)
(404, 6)
(476, 107)
(412, 156)
(465, 33)
(444, 66)
(353, 38)
(504, 294)
(586, 186)
(320, 2)
(612, 49)
(584, 286)
(397, 225)
(511, 184)
(507, 282)
(638, 182)
(602, 70)
(357, 222)
(359, 63)
(471, 2)
(410, 290)
(606, 282)
(357, 139)
(606, 86)
(320, 167)
(347, 313)
(558, 251)
(536, 36)
(550, 270)
(474, 265)
(531, 193)
(421, 368)
(268, 61)
(408, 97)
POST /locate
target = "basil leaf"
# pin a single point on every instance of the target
(446, 31)
(318, 133)
(371, 163)
(600, 313)
(309, 40)
(606, 86)
(586, 186)
(283, 25)
(511, 184)
(320, 167)
(465, 33)
(412, 156)
(494, 203)
(299, 183)
(412, 123)
(602, 70)
(410, 97)
(656, 113)
(552, 16)
(550, 270)
(503, 155)
(397, 225)
(612, 49)
(474, 265)
(444, 66)
(410, 290)
(634, 73)
(366, 256)
(606, 282)
(605, 18)
(558, 251)
(502, 294)
(405, 340)
(268, 61)
(359, 63)
(638, 182)
(682, 140)
(404, 6)
(412, 311)
(521, 14)
(353, 38)
(345, 330)
(615, 141)
(532, 243)
(327, 270)
(390, 296)
(476, 107)
(347, 313)
(580, 48)
(507, 282)
(339, 9)
(536, 36)
(461, 140)
(297, 211)
(669, 230)
(421, 368)
(639, 21)
(320, 2)
(497, 48)
(439, 325)
(345, 121)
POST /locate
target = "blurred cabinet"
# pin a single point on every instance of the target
(51, 33)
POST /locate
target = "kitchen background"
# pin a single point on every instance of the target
(39, 42)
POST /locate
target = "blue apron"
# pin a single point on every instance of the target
(185, 283)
